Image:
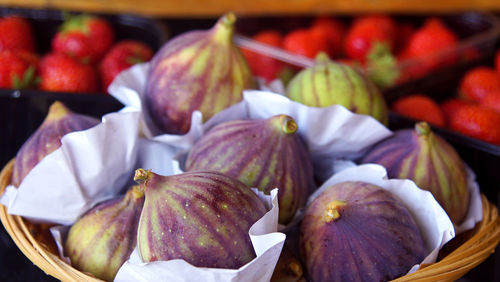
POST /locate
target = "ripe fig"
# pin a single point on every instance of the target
(265, 153)
(428, 160)
(104, 237)
(197, 70)
(47, 138)
(200, 217)
(356, 231)
(328, 83)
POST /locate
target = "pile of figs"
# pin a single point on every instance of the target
(352, 231)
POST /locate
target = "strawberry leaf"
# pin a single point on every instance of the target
(381, 65)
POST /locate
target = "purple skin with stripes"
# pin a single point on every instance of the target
(197, 70)
(428, 160)
(47, 138)
(356, 231)
(200, 217)
(266, 154)
(103, 239)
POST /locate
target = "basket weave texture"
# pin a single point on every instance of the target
(473, 247)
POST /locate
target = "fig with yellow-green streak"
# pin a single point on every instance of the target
(328, 83)
(47, 138)
(357, 231)
(264, 153)
(427, 159)
(104, 237)
(200, 217)
(197, 70)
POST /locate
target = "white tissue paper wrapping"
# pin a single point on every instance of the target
(434, 224)
(90, 166)
(266, 241)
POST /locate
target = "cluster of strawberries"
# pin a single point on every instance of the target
(84, 57)
(474, 111)
(370, 41)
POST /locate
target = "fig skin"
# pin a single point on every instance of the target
(328, 83)
(47, 138)
(431, 162)
(197, 70)
(201, 217)
(104, 237)
(356, 231)
(265, 153)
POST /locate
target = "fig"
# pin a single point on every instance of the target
(357, 231)
(328, 83)
(288, 268)
(105, 236)
(264, 153)
(47, 138)
(197, 70)
(431, 162)
(201, 217)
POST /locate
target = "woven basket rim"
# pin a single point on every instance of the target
(469, 254)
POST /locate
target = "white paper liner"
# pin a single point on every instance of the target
(90, 166)
(434, 224)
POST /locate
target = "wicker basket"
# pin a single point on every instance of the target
(471, 249)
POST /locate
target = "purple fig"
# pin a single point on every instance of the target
(356, 231)
(200, 217)
(104, 237)
(197, 70)
(428, 160)
(266, 154)
(328, 83)
(47, 138)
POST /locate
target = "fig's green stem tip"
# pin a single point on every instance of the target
(422, 128)
(142, 176)
(332, 210)
(288, 125)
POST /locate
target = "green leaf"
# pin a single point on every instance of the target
(381, 65)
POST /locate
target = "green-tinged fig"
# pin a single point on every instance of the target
(356, 231)
(47, 138)
(200, 217)
(265, 153)
(328, 83)
(428, 160)
(104, 237)
(197, 70)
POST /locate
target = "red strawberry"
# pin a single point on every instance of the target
(365, 32)
(492, 100)
(478, 82)
(428, 40)
(16, 33)
(450, 107)
(304, 42)
(17, 69)
(333, 31)
(497, 60)
(419, 107)
(85, 37)
(478, 122)
(405, 31)
(122, 55)
(59, 72)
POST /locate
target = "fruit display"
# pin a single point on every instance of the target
(413, 154)
(264, 153)
(47, 138)
(104, 237)
(371, 233)
(197, 70)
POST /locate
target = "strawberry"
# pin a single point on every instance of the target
(450, 106)
(16, 33)
(333, 31)
(365, 32)
(419, 107)
(478, 122)
(84, 37)
(492, 100)
(121, 56)
(17, 69)
(432, 38)
(497, 60)
(304, 42)
(60, 72)
(478, 82)
(404, 32)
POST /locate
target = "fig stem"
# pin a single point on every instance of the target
(137, 191)
(332, 210)
(296, 269)
(288, 125)
(321, 57)
(142, 176)
(422, 128)
(224, 29)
